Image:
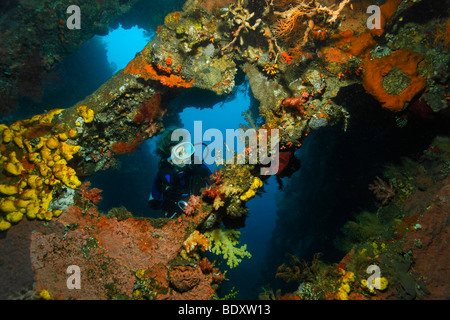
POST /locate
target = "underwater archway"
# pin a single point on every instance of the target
(194, 70)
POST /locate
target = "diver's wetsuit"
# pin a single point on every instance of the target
(173, 187)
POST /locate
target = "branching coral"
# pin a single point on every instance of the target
(299, 21)
(298, 270)
(217, 176)
(295, 103)
(216, 195)
(240, 17)
(225, 243)
(383, 191)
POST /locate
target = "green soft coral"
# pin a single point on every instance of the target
(225, 243)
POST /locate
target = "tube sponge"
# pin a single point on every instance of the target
(8, 190)
(32, 210)
(14, 217)
(7, 206)
(66, 175)
(67, 150)
(38, 165)
(86, 113)
(4, 225)
(48, 117)
(250, 193)
(72, 133)
(7, 136)
(52, 143)
(14, 166)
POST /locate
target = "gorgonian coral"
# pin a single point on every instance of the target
(384, 191)
(295, 25)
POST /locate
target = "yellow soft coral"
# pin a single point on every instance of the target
(225, 243)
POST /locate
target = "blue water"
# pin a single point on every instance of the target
(261, 218)
(123, 44)
(257, 234)
(222, 117)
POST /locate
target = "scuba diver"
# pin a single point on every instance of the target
(178, 176)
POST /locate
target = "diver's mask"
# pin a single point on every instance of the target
(181, 154)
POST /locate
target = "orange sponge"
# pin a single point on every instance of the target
(375, 70)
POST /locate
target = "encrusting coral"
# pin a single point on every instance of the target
(140, 66)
